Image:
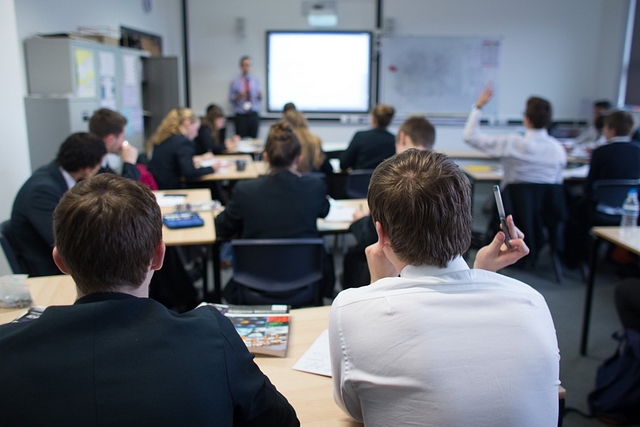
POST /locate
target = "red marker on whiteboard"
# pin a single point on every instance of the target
(393, 68)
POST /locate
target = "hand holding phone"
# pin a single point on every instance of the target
(501, 214)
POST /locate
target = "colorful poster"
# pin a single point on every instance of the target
(85, 74)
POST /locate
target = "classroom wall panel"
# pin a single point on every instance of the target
(14, 162)
(567, 50)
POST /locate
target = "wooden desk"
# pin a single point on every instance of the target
(228, 171)
(465, 154)
(204, 235)
(45, 291)
(310, 395)
(332, 227)
(630, 240)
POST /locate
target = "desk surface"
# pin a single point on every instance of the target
(45, 291)
(329, 227)
(227, 168)
(310, 395)
(196, 235)
(628, 239)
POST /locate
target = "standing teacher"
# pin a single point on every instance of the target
(245, 95)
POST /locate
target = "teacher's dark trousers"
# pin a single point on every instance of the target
(247, 124)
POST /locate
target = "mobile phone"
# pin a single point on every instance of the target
(501, 214)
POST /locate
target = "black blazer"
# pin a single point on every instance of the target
(173, 159)
(204, 141)
(616, 160)
(368, 149)
(116, 360)
(282, 205)
(129, 170)
(32, 219)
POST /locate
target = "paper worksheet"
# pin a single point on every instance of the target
(316, 359)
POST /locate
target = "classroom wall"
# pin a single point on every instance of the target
(14, 163)
(56, 16)
(569, 51)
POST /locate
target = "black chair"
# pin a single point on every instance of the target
(357, 183)
(278, 271)
(6, 240)
(539, 211)
(608, 196)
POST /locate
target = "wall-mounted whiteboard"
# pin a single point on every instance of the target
(319, 71)
(437, 75)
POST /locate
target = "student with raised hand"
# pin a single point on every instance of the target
(109, 126)
(534, 157)
(78, 158)
(312, 158)
(116, 357)
(369, 148)
(173, 151)
(431, 341)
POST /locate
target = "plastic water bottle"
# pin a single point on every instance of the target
(630, 210)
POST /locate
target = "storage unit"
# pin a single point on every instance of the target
(68, 80)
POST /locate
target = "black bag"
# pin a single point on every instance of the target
(616, 399)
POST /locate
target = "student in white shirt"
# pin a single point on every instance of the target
(442, 344)
(534, 157)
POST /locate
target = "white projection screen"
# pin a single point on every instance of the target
(323, 72)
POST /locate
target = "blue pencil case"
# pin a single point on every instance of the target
(182, 220)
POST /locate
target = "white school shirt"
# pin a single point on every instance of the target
(534, 157)
(445, 347)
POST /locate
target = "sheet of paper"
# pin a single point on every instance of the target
(316, 359)
(338, 213)
(579, 172)
(169, 200)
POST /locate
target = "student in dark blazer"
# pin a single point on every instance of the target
(79, 157)
(369, 148)
(173, 151)
(212, 132)
(619, 158)
(116, 357)
(282, 204)
(109, 126)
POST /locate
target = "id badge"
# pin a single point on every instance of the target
(247, 105)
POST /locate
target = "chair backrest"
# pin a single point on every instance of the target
(278, 271)
(539, 211)
(608, 196)
(357, 183)
(6, 240)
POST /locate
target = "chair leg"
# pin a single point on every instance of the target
(558, 266)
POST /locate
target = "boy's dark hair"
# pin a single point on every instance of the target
(80, 150)
(621, 121)
(423, 201)
(420, 130)
(538, 112)
(106, 229)
(105, 122)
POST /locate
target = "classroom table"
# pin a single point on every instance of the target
(227, 168)
(45, 291)
(628, 239)
(464, 154)
(336, 227)
(309, 394)
(205, 235)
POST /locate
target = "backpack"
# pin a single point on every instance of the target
(616, 399)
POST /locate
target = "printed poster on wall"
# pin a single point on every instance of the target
(85, 74)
